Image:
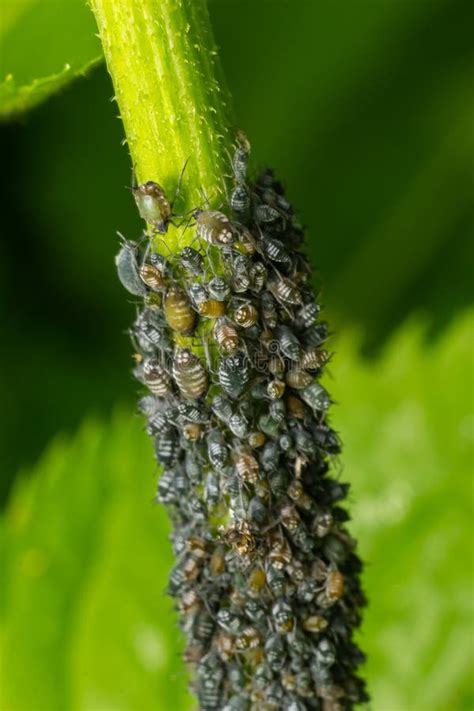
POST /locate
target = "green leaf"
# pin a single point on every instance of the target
(407, 422)
(43, 46)
(83, 607)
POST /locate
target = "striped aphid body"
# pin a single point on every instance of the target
(266, 575)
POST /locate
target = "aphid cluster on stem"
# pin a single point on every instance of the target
(266, 575)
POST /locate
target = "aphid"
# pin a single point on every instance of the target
(167, 447)
(258, 275)
(300, 497)
(178, 311)
(316, 397)
(192, 431)
(218, 288)
(247, 467)
(217, 562)
(211, 308)
(210, 683)
(203, 626)
(307, 314)
(192, 411)
(214, 227)
(190, 602)
(256, 582)
(212, 489)
(268, 309)
(304, 443)
(197, 294)
(247, 243)
(166, 491)
(279, 554)
(285, 291)
(289, 343)
(275, 652)
(241, 281)
(314, 358)
(322, 523)
(275, 389)
(249, 638)
(270, 457)
(325, 653)
(298, 379)
(276, 581)
(240, 158)
(292, 703)
(239, 425)
(222, 408)
(333, 588)
(229, 621)
(326, 439)
(257, 512)
(216, 449)
(274, 250)
(264, 214)
(277, 410)
(234, 374)
(295, 407)
(150, 334)
(241, 539)
(307, 590)
(315, 335)
(263, 675)
(189, 374)
(156, 378)
(128, 270)
(256, 439)
(314, 624)
(192, 260)
(226, 336)
(288, 680)
(153, 205)
(290, 517)
(225, 646)
(240, 202)
(152, 277)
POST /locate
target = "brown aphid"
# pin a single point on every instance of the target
(217, 561)
(285, 292)
(256, 439)
(314, 358)
(192, 568)
(190, 602)
(290, 517)
(192, 431)
(247, 467)
(295, 407)
(314, 624)
(153, 205)
(249, 639)
(256, 582)
(241, 538)
(197, 546)
(298, 379)
(334, 587)
(288, 680)
(212, 308)
(189, 374)
(193, 652)
(226, 336)
(300, 497)
(214, 227)
(279, 554)
(225, 646)
(246, 315)
(275, 389)
(262, 489)
(178, 311)
(152, 277)
(156, 378)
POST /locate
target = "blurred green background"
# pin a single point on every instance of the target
(365, 108)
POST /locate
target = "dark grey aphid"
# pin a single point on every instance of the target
(316, 397)
(275, 650)
(240, 202)
(217, 449)
(192, 260)
(234, 375)
(128, 269)
(258, 275)
(283, 616)
(304, 443)
(257, 512)
(230, 621)
(218, 288)
(288, 343)
(222, 408)
(241, 158)
(197, 294)
(264, 214)
(239, 425)
(307, 314)
(212, 489)
(167, 447)
(316, 334)
(166, 491)
(192, 412)
(293, 703)
(274, 250)
(276, 580)
(270, 456)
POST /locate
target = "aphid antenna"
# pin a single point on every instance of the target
(178, 186)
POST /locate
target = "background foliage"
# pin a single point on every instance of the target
(365, 109)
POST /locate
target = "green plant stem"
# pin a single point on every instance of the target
(168, 85)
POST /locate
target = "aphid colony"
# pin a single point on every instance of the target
(266, 576)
